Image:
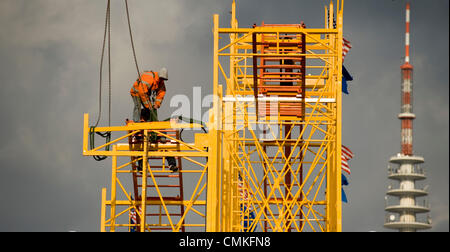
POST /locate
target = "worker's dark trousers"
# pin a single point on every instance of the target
(136, 108)
(152, 116)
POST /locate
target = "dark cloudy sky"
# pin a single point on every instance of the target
(49, 64)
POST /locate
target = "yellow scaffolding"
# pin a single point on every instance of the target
(122, 202)
(288, 164)
(271, 160)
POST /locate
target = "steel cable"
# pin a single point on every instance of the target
(132, 42)
(106, 135)
(107, 29)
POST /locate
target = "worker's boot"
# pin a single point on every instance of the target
(172, 164)
(162, 139)
(153, 137)
(139, 166)
(173, 168)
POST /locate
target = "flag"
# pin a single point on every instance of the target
(344, 182)
(246, 208)
(132, 216)
(344, 165)
(243, 190)
(346, 155)
(345, 77)
(248, 223)
(346, 46)
(344, 196)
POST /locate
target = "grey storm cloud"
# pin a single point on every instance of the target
(49, 67)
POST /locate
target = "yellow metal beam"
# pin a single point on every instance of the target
(150, 126)
(103, 211)
(292, 30)
(144, 182)
(157, 202)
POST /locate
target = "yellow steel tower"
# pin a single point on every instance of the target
(271, 159)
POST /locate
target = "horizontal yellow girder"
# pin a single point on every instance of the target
(150, 153)
(179, 148)
(163, 147)
(150, 126)
(291, 30)
(157, 202)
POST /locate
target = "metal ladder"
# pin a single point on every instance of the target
(282, 76)
(168, 183)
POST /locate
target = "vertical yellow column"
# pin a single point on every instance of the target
(113, 190)
(339, 118)
(231, 82)
(219, 158)
(144, 182)
(227, 178)
(334, 203)
(103, 211)
(213, 192)
(214, 161)
(85, 134)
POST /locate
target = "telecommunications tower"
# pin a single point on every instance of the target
(406, 204)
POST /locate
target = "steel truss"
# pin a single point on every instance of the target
(271, 160)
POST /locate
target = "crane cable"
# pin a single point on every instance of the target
(107, 135)
(132, 42)
(107, 31)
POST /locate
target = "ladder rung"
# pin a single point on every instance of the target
(170, 214)
(157, 166)
(280, 88)
(275, 51)
(281, 73)
(290, 57)
(281, 25)
(281, 66)
(164, 198)
(281, 80)
(167, 176)
(160, 176)
(163, 186)
(281, 44)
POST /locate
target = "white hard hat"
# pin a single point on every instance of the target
(163, 73)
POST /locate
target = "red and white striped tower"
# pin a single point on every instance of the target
(406, 116)
(406, 204)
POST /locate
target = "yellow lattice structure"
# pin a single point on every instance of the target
(271, 160)
(282, 114)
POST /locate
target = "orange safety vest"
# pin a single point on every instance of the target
(149, 85)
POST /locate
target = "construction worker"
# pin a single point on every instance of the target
(148, 94)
